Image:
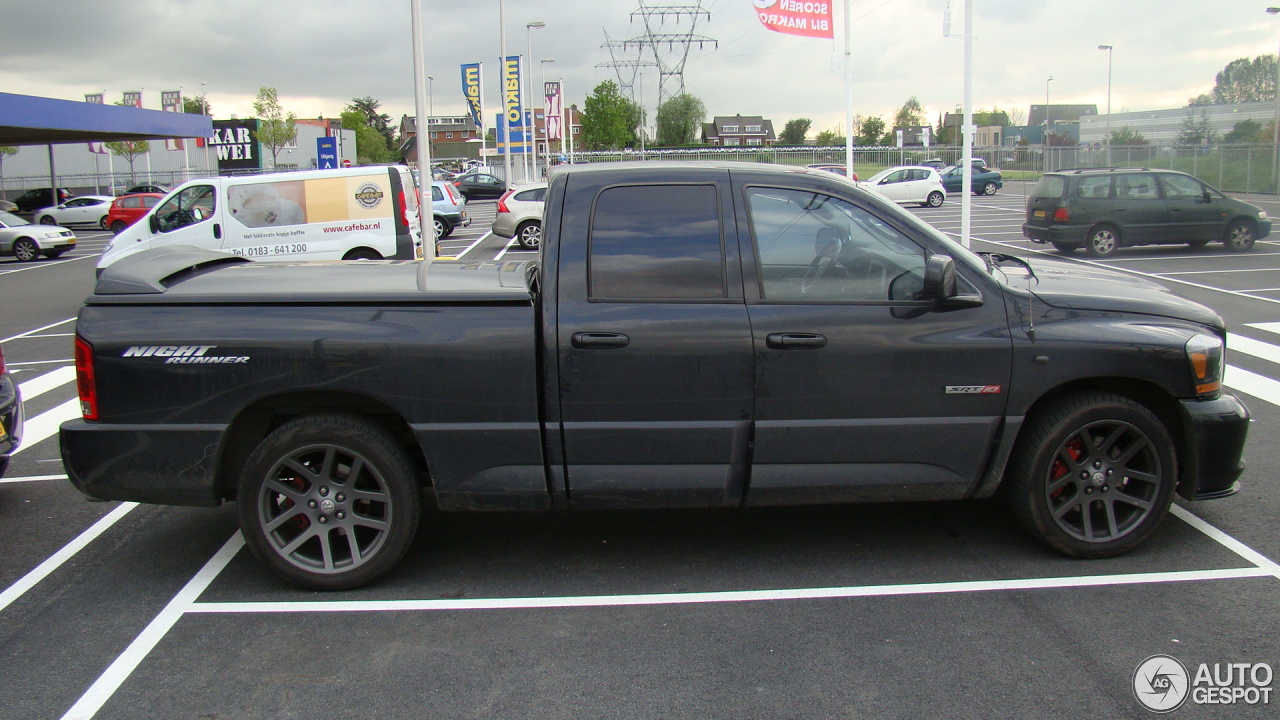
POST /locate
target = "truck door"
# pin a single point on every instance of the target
(653, 343)
(862, 392)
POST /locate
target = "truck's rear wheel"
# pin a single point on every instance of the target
(1092, 475)
(328, 502)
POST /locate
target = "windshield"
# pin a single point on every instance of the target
(12, 220)
(879, 176)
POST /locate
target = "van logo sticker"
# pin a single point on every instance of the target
(184, 354)
(973, 389)
(369, 196)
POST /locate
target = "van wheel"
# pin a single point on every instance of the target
(329, 501)
(1103, 241)
(118, 227)
(1092, 475)
(934, 200)
(529, 234)
(1239, 236)
(1064, 248)
(362, 254)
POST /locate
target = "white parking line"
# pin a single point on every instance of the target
(472, 245)
(37, 386)
(32, 332)
(46, 424)
(31, 478)
(1259, 386)
(106, 685)
(28, 581)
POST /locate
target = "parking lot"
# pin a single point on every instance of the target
(115, 610)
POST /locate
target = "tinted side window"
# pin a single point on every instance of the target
(816, 248)
(436, 194)
(1094, 188)
(534, 195)
(656, 242)
(1181, 186)
(1137, 186)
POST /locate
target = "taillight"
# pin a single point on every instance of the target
(404, 210)
(1061, 215)
(502, 201)
(86, 383)
(453, 197)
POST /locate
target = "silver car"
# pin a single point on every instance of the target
(26, 241)
(448, 208)
(520, 215)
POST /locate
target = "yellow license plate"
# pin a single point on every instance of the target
(1039, 213)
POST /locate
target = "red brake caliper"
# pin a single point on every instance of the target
(300, 521)
(1075, 449)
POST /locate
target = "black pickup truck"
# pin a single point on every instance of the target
(694, 335)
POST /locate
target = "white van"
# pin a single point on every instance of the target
(344, 214)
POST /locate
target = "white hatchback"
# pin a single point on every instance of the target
(908, 184)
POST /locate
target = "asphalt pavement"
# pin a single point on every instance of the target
(115, 610)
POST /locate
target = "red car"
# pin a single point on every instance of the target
(126, 210)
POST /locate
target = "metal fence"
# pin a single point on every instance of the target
(1234, 168)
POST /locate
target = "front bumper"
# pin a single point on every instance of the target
(1213, 456)
(162, 464)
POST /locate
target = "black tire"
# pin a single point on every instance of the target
(989, 188)
(1064, 248)
(54, 254)
(1102, 241)
(118, 227)
(529, 234)
(336, 472)
(1092, 474)
(362, 254)
(1197, 243)
(1239, 236)
(47, 220)
(102, 224)
(25, 250)
(934, 199)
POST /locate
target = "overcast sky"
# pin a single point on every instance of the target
(319, 54)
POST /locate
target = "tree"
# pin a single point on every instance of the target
(275, 128)
(871, 132)
(196, 105)
(607, 119)
(371, 147)
(795, 131)
(1246, 131)
(679, 120)
(381, 122)
(829, 138)
(1127, 136)
(1196, 131)
(911, 114)
(130, 150)
(1244, 80)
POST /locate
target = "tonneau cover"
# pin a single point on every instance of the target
(190, 275)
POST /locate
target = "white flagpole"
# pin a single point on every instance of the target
(422, 135)
(848, 93)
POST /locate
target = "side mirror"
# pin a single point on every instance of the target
(939, 278)
(154, 222)
(1206, 198)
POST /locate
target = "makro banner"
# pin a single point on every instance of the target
(133, 98)
(472, 91)
(796, 17)
(512, 105)
(552, 108)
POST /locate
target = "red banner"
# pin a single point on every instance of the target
(796, 17)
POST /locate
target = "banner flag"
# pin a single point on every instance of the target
(512, 102)
(796, 17)
(472, 91)
(96, 99)
(171, 101)
(551, 110)
(133, 98)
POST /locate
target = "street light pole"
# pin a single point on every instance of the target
(505, 127)
(1108, 48)
(1046, 123)
(530, 161)
(1275, 131)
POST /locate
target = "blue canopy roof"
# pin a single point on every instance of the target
(28, 120)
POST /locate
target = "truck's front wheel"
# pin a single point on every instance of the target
(1092, 475)
(329, 502)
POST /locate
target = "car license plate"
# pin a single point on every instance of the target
(3, 433)
(1039, 213)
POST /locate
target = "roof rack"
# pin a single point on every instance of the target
(1077, 171)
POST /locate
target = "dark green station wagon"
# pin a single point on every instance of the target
(1105, 209)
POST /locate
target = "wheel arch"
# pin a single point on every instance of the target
(1144, 392)
(257, 420)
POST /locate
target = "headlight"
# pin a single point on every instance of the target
(1262, 214)
(1205, 354)
(49, 235)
